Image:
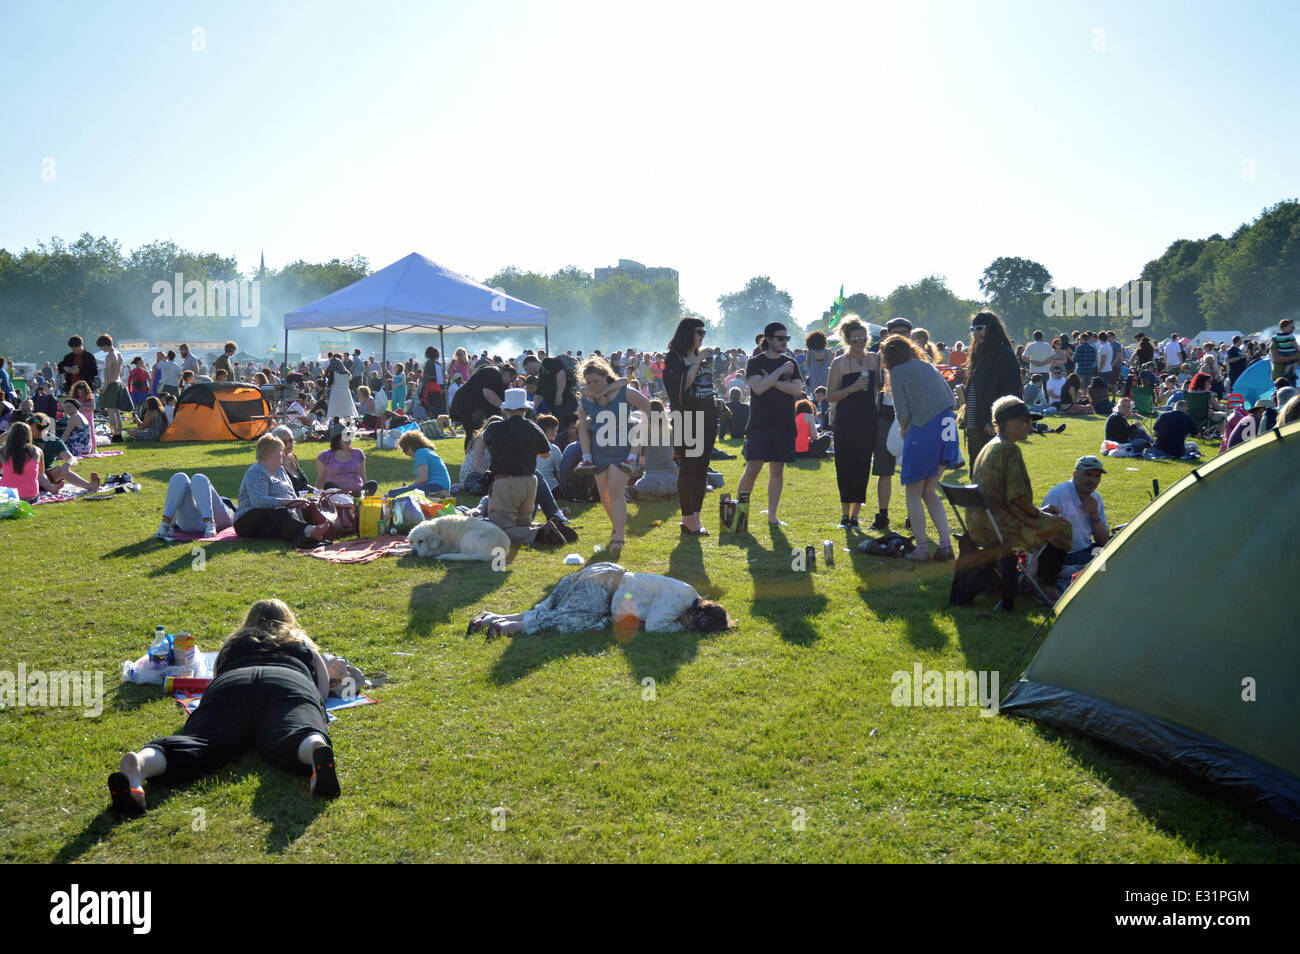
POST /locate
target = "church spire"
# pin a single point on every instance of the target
(261, 272)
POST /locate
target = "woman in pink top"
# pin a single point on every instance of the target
(343, 466)
(22, 463)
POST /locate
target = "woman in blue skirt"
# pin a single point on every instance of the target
(923, 407)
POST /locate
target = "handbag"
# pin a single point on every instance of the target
(336, 510)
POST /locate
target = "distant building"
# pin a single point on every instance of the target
(626, 268)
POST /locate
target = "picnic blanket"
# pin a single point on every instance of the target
(105, 453)
(361, 551)
(189, 701)
(1190, 452)
(63, 496)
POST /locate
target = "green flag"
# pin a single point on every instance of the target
(837, 310)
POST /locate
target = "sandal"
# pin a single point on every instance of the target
(122, 794)
(494, 630)
(324, 779)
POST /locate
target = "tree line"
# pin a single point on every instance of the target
(1245, 282)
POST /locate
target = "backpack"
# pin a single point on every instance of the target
(890, 545)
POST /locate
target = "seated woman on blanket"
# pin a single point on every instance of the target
(267, 693)
(343, 466)
(85, 399)
(152, 423)
(1000, 472)
(76, 431)
(58, 459)
(21, 463)
(605, 594)
(269, 507)
(430, 472)
(297, 476)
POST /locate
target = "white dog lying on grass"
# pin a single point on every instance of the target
(456, 537)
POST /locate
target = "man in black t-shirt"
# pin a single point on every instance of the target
(515, 443)
(482, 395)
(78, 365)
(774, 385)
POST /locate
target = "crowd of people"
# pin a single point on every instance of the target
(542, 428)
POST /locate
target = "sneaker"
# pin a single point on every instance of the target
(944, 554)
(165, 533)
(881, 522)
(845, 522)
(627, 466)
(584, 466)
(853, 523)
(209, 529)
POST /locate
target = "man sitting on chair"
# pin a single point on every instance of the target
(1000, 472)
(1077, 501)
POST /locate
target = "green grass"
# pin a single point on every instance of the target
(790, 711)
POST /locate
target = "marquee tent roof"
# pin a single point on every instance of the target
(414, 293)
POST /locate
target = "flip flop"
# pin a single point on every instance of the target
(324, 780)
(120, 791)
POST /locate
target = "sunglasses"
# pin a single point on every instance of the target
(701, 332)
(858, 339)
(975, 328)
(780, 337)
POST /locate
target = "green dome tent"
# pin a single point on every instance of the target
(1180, 641)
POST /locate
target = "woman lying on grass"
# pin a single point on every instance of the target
(267, 693)
(605, 593)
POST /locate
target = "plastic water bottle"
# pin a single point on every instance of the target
(160, 653)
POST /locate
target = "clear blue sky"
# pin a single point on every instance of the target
(817, 143)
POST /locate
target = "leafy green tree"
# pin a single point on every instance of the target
(747, 312)
(1015, 288)
(930, 304)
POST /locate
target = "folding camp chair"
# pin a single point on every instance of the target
(974, 561)
(1198, 406)
(1235, 402)
(1144, 400)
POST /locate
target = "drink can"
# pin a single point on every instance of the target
(810, 552)
(828, 552)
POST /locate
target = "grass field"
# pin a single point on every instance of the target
(781, 724)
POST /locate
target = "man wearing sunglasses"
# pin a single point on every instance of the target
(774, 385)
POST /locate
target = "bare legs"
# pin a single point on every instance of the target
(775, 482)
(923, 495)
(611, 483)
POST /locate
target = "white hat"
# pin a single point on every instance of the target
(516, 399)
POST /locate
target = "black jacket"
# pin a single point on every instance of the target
(991, 380)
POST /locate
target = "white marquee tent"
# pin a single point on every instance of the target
(414, 293)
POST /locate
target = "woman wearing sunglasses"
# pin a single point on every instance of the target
(853, 389)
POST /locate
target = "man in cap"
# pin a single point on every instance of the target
(1079, 502)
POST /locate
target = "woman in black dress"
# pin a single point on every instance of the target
(852, 387)
(688, 380)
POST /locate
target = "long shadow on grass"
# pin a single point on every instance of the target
(1185, 807)
(102, 825)
(436, 601)
(784, 596)
(654, 655)
(686, 562)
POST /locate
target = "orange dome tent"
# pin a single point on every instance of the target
(219, 412)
